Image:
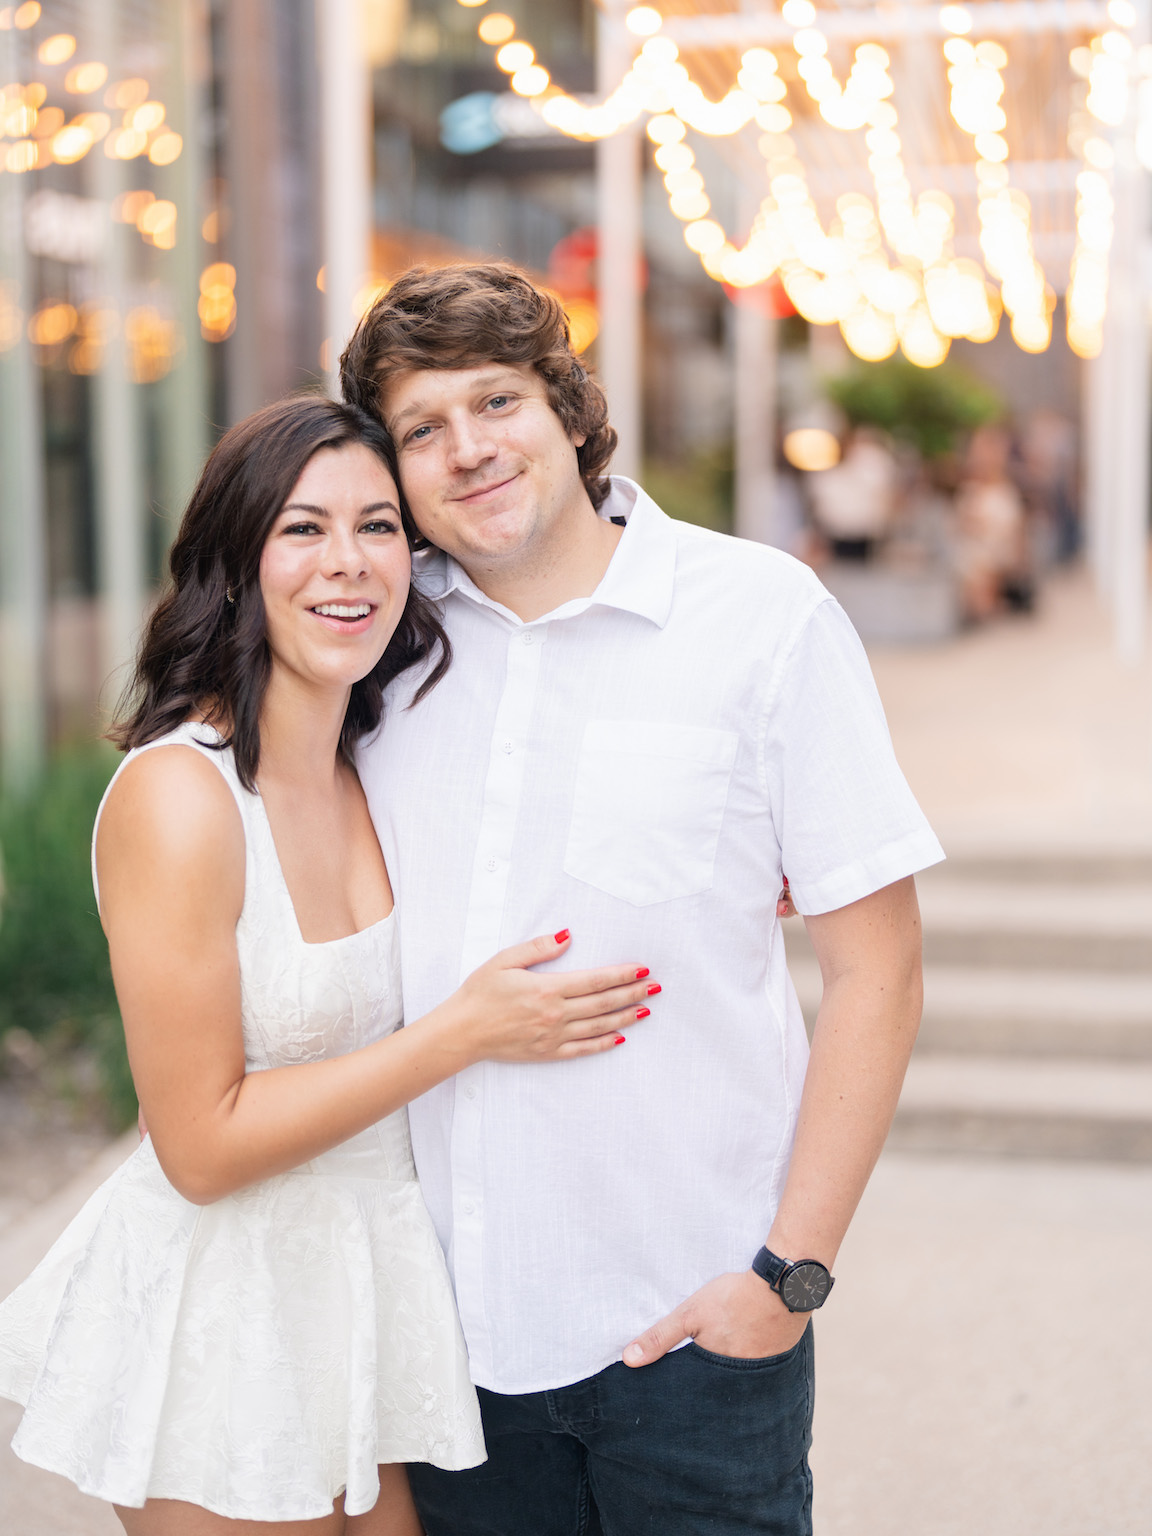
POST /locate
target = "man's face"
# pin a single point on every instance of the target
(489, 472)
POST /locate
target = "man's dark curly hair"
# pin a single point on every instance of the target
(463, 316)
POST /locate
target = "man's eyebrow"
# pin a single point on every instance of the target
(485, 381)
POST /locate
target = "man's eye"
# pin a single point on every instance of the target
(417, 434)
(499, 400)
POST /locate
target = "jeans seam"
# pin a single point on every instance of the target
(584, 1509)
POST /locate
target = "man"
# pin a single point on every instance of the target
(644, 724)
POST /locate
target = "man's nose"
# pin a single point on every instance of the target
(470, 442)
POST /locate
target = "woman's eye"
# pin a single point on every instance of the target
(301, 528)
(379, 525)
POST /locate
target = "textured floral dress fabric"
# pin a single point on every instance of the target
(259, 1355)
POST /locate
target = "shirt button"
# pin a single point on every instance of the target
(470, 1092)
(509, 746)
(491, 866)
(467, 1207)
(527, 637)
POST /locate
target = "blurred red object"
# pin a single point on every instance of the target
(572, 265)
(769, 298)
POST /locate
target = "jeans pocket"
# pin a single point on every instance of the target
(741, 1363)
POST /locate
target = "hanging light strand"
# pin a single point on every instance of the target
(843, 275)
(1004, 212)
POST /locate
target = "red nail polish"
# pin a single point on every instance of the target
(785, 880)
(654, 988)
(561, 936)
(642, 972)
(642, 1013)
(619, 1039)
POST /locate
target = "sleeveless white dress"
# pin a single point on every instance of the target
(259, 1355)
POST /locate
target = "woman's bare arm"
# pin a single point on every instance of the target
(170, 859)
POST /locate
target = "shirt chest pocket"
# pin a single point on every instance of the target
(648, 806)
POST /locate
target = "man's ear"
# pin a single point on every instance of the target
(579, 439)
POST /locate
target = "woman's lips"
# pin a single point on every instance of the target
(346, 626)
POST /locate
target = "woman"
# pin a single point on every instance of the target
(251, 1321)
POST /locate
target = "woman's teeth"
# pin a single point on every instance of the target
(343, 610)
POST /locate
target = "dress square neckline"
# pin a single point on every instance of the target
(357, 933)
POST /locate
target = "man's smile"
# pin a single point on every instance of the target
(484, 492)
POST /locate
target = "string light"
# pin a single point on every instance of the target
(217, 305)
(1005, 213)
(644, 20)
(1106, 65)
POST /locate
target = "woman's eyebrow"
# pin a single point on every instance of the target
(373, 506)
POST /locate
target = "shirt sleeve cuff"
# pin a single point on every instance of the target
(852, 882)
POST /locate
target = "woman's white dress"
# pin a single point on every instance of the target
(258, 1355)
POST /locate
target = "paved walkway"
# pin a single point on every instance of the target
(1027, 734)
(984, 1366)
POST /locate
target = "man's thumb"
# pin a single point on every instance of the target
(657, 1340)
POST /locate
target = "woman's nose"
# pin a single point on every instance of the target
(344, 555)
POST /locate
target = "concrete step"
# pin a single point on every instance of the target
(1052, 926)
(1055, 1108)
(1043, 866)
(994, 1011)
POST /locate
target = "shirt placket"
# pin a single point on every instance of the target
(488, 891)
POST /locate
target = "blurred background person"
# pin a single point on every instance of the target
(991, 543)
(852, 503)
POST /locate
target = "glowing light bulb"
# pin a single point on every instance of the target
(515, 56)
(956, 18)
(496, 28)
(643, 20)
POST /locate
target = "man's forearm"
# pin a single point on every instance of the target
(869, 957)
(865, 1030)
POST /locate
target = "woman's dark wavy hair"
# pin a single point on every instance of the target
(461, 316)
(205, 646)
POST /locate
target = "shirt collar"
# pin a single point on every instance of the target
(639, 578)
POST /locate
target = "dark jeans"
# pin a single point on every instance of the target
(695, 1442)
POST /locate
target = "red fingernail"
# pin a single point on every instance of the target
(642, 972)
(619, 1039)
(653, 989)
(642, 1013)
(561, 936)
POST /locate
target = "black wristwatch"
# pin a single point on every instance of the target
(802, 1286)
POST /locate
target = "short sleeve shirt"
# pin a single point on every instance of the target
(639, 766)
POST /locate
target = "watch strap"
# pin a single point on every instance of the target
(769, 1267)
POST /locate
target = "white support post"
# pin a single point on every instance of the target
(755, 421)
(1097, 460)
(1131, 407)
(185, 426)
(119, 448)
(346, 132)
(620, 248)
(23, 552)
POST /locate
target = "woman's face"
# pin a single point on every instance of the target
(335, 569)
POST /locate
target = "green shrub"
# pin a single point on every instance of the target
(928, 407)
(55, 980)
(699, 489)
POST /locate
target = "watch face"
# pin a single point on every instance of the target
(805, 1287)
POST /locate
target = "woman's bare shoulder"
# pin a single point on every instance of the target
(171, 820)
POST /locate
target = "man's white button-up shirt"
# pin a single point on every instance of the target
(638, 766)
